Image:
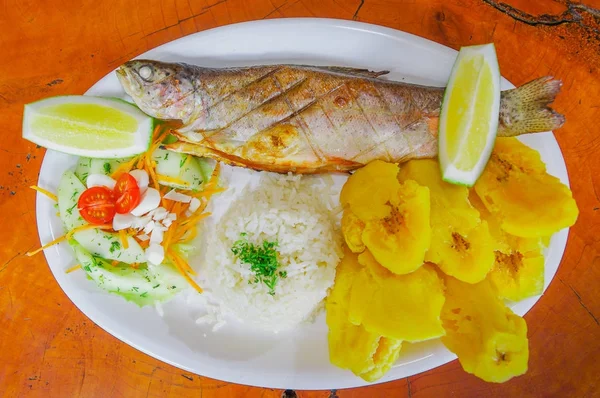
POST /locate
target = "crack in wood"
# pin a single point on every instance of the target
(355, 16)
(274, 10)
(581, 301)
(205, 10)
(573, 14)
(214, 4)
(54, 82)
(408, 385)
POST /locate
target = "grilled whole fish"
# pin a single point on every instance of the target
(310, 119)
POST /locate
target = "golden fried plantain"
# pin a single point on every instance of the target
(516, 188)
(400, 240)
(488, 338)
(369, 190)
(366, 354)
(393, 221)
(403, 307)
(460, 241)
(352, 229)
(518, 270)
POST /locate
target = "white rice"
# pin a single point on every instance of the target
(297, 213)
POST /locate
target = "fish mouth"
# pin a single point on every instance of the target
(128, 81)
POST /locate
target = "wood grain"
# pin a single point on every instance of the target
(48, 348)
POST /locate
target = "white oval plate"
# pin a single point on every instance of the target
(298, 359)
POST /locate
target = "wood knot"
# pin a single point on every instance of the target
(289, 394)
(340, 102)
(440, 16)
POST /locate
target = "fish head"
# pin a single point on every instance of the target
(163, 90)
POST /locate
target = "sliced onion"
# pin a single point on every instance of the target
(142, 179)
(178, 197)
(155, 254)
(100, 180)
(150, 201)
(143, 237)
(123, 221)
(194, 204)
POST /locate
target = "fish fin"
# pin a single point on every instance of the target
(354, 71)
(332, 165)
(526, 109)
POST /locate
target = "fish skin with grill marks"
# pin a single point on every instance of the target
(310, 119)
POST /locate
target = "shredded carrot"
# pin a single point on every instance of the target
(47, 245)
(164, 178)
(215, 175)
(181, 262)
(67, 236)
(195, 218)
(134, 265)
(73, 268)
(184, 268)
(114, 263)
(144, 244)
(187, 234)
(168, 236)
(84, 227)
(208, 192)
(123, 238)
(45, 192)
(151, 173)
(187, 278)
(124, 168)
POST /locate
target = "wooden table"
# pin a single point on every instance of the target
(48, 348)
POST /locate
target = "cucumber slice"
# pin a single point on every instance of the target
(108, 245)
(69, 190)
(178, 166)
(207, 167)
(87, 166)
(142, 286)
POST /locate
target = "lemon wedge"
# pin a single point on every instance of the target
(88, 126)
(469, 115)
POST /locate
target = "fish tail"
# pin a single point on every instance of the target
(526, 109)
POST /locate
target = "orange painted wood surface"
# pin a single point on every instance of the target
(50, 349)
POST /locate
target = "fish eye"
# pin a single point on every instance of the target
(145, 72)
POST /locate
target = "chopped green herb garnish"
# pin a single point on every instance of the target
(107, 168)
(114, 245)
(145, 294)
(262, 260)
(182, 161)
(135, 288)
(147, 278)
(166, 155)
(154, 287)
(87, 268)
(75, 192)
(70, 210)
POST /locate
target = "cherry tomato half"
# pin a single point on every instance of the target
(97, 205)
(127, 194)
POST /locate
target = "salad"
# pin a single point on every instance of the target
(131, 221)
